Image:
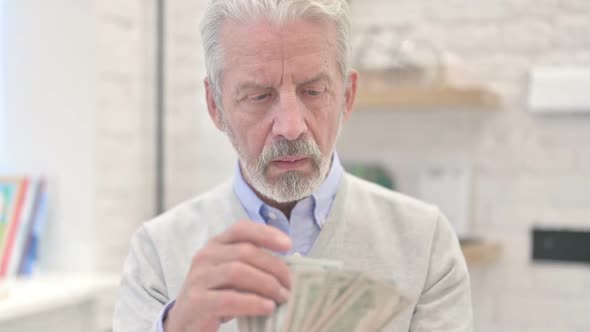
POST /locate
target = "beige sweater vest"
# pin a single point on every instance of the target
(369, 228)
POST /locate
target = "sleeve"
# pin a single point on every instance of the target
(445, 302)
(163, 314)
(142, 297)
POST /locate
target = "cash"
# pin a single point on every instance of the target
(327, 298)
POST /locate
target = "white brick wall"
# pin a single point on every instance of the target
(198, 155)
(527, 169)
(124, 125)
(125, 172)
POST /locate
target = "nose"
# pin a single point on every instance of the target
(289, 118)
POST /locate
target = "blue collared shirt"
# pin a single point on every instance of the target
(307, 217)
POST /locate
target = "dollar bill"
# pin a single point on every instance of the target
(298, 261)
(362, 308)
(326, 298)
(312, 283)
(338, 283)
(391, 302)
(244, 324)
(302, 268)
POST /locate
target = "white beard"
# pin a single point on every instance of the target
(293, 185)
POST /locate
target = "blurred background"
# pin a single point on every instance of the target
(478, 106)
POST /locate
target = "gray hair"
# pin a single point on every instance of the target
(278, 11)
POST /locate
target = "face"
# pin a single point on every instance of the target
(283, 102)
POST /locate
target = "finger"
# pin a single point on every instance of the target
(239, 276)
(226, 303)
(258, 234)
(249, 254)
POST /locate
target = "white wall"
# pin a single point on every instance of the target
(50, 77)
(125, 125)
(2, 110)
(527, 169)
(198, 155)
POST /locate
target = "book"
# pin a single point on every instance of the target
(24, 227)
(30, 253)
(8, 189)
(22, 213)
(11, 230)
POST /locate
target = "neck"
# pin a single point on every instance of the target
(286, 208)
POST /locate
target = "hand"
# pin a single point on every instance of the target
(232, 275)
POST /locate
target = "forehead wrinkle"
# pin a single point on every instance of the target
(311, 72)
(321, 76)
(308, 70)
(242, 50)
(283, 41)
(278, 44)
(298, 45)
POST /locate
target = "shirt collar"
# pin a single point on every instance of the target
(323, 197)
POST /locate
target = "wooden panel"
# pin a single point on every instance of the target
(377, 89)
(478, 252)
(436, 97)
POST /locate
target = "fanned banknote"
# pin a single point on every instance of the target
(326, 298)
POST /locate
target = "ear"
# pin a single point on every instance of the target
(350, 93)
(214, 111)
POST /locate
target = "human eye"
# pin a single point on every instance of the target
(260, 97)
(313, 91)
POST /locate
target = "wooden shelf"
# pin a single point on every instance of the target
(480, 252)
(435, 97)
(377, 91)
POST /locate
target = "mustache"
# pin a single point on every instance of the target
(283, 147)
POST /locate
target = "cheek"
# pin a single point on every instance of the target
(254, 136)
(334, 127)
(325, 130)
